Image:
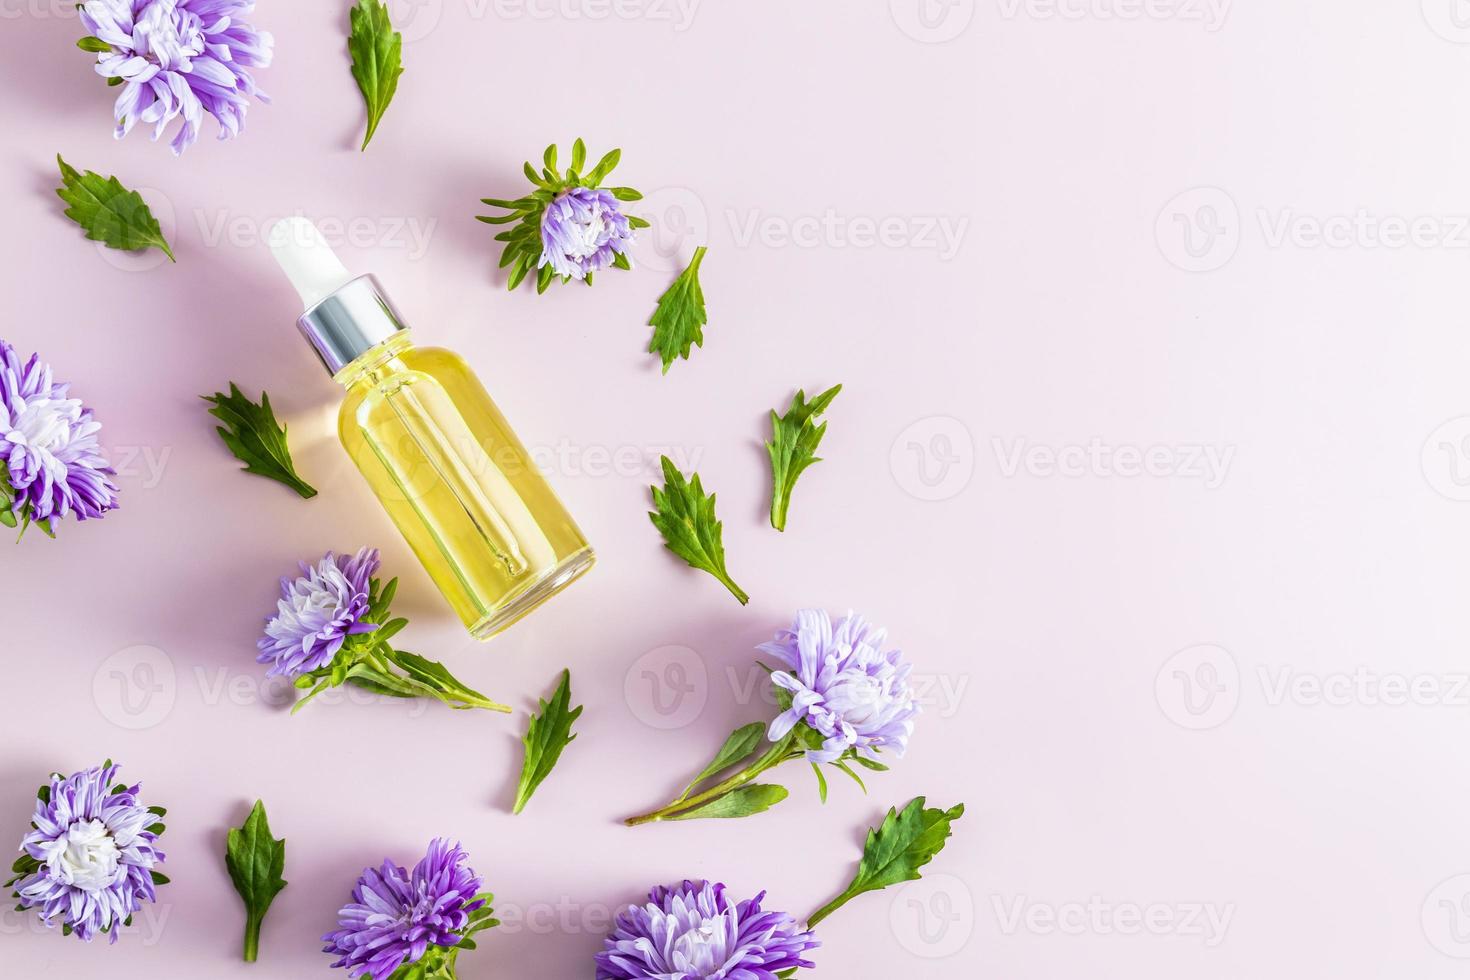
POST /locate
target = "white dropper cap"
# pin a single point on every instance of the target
(307, 260)
(346, 316)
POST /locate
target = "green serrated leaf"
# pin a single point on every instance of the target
(686, 519)
(742, 802)
(257, 440)
(679, 321)
(108, 212)
(547, 734)
(895, 851)
(740, 746)
(255, 861)
(795, 437)
(377, 59)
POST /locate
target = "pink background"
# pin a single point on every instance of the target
(1199, 235)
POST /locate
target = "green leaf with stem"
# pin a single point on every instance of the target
(795, 437)
(255, 861)
(108, 212)
(547, 734)
(698, 805)
(685, 517)
(377, 59)
(741, 745)
(906, 841)
(743, 801)
(678, 322)
(253, 435)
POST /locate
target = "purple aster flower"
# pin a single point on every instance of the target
(89, 857)
(692, 931)
(844, 686)
(179, 59)
(583, 230)
(396, 918)
(48, 443)
(317, 612)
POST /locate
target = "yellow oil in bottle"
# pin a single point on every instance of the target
(458, 483)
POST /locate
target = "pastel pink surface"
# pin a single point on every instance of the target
(1032, 293)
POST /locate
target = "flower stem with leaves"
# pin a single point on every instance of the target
(333, 626)
(843, 702)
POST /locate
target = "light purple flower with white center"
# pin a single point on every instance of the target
(844, 686)
(91, 854)
(583, 230)
(693, 931)
(395, 918)
(179, 59)
(317, 612)
(48, 444)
